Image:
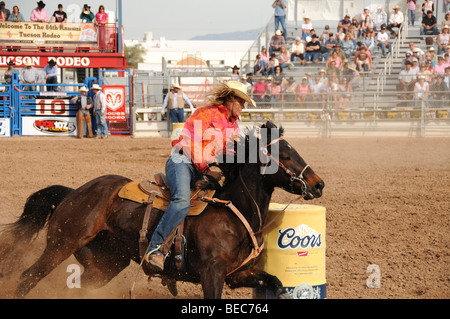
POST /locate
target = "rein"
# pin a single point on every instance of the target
(256, 250)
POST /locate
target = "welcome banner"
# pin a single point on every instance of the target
(32, 34)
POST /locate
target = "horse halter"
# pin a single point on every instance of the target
(293, 176)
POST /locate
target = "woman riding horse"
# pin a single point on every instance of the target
(190, 157)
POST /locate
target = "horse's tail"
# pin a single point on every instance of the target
(38, 208)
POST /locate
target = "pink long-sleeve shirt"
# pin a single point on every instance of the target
(38, 15)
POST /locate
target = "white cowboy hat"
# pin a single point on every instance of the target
(83, 89)
(176, 85)
(96, 87)
(278, 32)
(28, 62)
(240, 90)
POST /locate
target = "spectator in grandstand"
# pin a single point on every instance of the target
(317, 93)
(430, 67)
(411, 11)
(280, 15)
(306, 28)
(332, 90)
(447, 59)
(39, 14)
(330, 44)
(265, 56)
(308, 75)
(260, 92)
(340, 34)
(59, 15)
(276, 87)
(298, 51)
(439, 68)
(429, 24)
(446, 21)
(363, 59)
(16, 16)
(325, 35)
(50, 75)
(276, 42)
(345, 93)
(424, 72)
(443, 39)
(356, 25)
(383, 41)
(100, 111)
(4, 13)
(278, 75)
(412, 48)
(86, 14)
(247, 84)
(439, 92)
(260, 66)
(174, 101)
(235, 73)
(336, 59)
(407, 80)
(354, 78)
(84, 104)
(313, 50)
(366, 25)
(284, 58)
(289, 89)
(353, 35)
(421, 92)
(273, 62)
(379, 19)
(395, 21)
(101, 17)
(303, 92)
(9, 71)
(447, 77)
(333, 70)
(29, 75)
(369, 41)
(430, 55)
(408, 58)
(415, 66)
(323, 77)
(345, 23)
(348, 46)
(416, 55)
(339, 52)
(428, 5)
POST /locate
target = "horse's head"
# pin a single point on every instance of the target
(283, 167)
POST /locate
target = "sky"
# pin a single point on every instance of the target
(171, 19)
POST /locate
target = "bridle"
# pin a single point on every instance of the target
(293, 176)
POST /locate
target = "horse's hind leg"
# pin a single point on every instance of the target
(103, 259)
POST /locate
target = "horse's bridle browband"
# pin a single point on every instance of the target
(293, 175)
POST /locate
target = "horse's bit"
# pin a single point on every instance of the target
(293, 176)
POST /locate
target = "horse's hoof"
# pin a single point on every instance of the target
(285, 295)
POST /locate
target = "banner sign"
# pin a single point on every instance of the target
(62, 126)
(4, 127)
(115, 102)
(33, 34)
(109, 61)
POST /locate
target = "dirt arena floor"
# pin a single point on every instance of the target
(387, 201)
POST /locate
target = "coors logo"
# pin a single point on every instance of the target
(303, 237)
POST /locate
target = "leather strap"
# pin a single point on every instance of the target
(256, 247)
(143, 242)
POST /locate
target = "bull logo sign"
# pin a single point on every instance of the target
(115, 103)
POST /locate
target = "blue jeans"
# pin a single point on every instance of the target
(411, 17)
(314, 56)
(102, 127)
(423, 31)
(282, 20)
(383, 47)
(177, 115)
(181, 176)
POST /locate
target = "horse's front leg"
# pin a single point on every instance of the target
(212, 278)
(254, 278)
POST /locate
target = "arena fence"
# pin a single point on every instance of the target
(362, 113)
(47, 109)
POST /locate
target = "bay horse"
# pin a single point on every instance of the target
(102, 230)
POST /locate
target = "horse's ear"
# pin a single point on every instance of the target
(269, 125)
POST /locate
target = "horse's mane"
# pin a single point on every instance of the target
(246, 151)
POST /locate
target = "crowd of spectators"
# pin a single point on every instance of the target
(39, 14)
(348, 53)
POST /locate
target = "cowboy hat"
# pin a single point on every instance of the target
(240, 89)
(278, 32)
(352, 67)
(51, 62)
(83, 89)
(27, 62)
(235, 67)
(41, 4)
(176, 85)
(96, 87)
